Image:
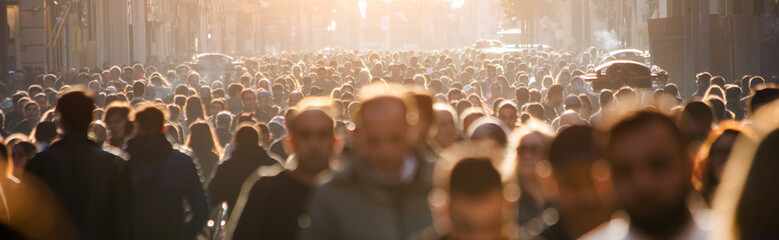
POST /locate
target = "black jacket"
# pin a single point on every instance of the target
(92, 184)
(230, 175)
(152, 156)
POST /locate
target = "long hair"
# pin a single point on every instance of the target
(202, 138)
(193, 109)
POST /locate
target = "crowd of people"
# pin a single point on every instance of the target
(452, 144)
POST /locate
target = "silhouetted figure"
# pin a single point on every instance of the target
(388, 184)
(651, 171)
(92, 184)
(244, 160)
(163, 178)
(276, 204)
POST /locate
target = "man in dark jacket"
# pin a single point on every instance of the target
(162, 179)
(90, 182)
(275, 204)
(383, 194)
(245, 159)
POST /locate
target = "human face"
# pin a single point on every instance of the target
(32, 112)
(578, 198)
(508, 116)
(447, 130)
(719, 153)
(651, 173)
(114, 75)
(313, 140)
(383, 136)
(116, 125)
(531, 151)
(216, 107)
(194, 81)
(42, 101)
(249, 101)
(20, 157)
(477, 217)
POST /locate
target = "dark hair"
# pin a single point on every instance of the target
(756, 208)
(705, 77)
(45, 132)
(140, 88)
(536, 110)
(490, 128)
(149, 119)
(474, 177)
(246, 135)
(640, 120)
(234, 89)
(193, 109)
(75, 110)
(572, 145)
(572, 102)
(201, 138)
(732, 93)
(763, 97)
(718, 107)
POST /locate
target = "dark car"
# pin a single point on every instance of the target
(617, 73)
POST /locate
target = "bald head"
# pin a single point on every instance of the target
(382, 135)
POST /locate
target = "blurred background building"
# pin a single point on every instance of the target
(732, 36)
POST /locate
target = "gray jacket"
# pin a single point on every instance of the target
(356, 206)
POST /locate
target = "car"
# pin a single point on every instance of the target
(213, 66)
(630, 54)
(484, 44)
(618, 73)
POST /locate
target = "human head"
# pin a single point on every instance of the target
(755, 204)
(696, 121)
(580, 178)
(139, 89)
(312, 134)
(446, 124)
(32, 111)
(246, 135)
(703, 81)
(532, 147)
(554, 96)
(248, 100)
(651, 172)
(149, 120)
(382, 125)
(474, 192)
(507, 112)
(75, 109)
(45, 132)
(193, 109)
(117, 119)
(713, 155)
(217, 106)
(762, 97)
(488, 128)
(202, 138)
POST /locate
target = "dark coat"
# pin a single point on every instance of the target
(92, 184)
(231, 174)
(152, 156)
